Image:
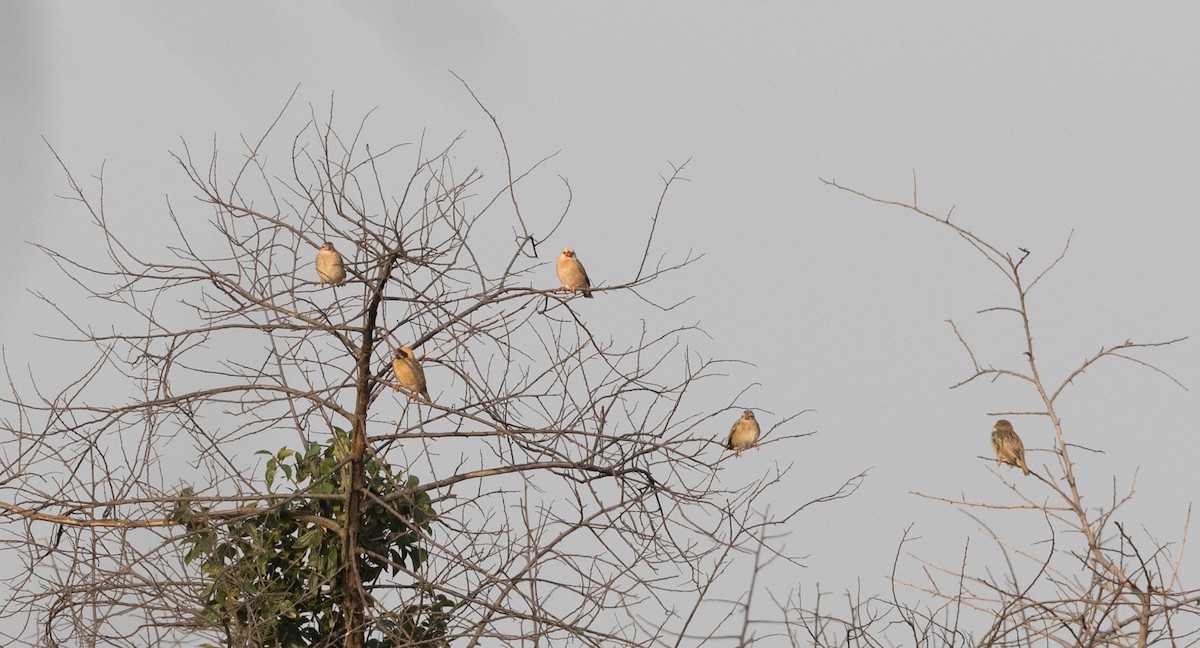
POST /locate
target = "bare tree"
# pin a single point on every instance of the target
(558, 487)
(1090, 581)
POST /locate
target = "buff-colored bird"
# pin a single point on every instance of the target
(409, 373)
(1008, 446)
(571, 273)
(330, 267)
(744, 434)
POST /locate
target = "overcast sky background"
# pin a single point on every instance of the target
(1030, 119)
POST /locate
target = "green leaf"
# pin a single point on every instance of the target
(279, 577)
(272, 466)
(310, 538)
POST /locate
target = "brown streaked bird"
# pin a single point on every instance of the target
(571, 273)
(409, 373)
(330, 267)
(744, 434)
(1008, 446)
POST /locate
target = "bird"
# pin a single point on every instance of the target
(330, 267)
(744, 434)
(1008, 446)
(571, 273)
(409, 373)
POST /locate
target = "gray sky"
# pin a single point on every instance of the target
(1031, 120)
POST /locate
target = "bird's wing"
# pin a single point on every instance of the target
(1017, 444)
(418, 374)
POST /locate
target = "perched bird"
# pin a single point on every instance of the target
(330, 268)
(1008, 446)
(571, 273)
(744, 434)
(409, 373)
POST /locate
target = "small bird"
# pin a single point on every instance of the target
(571, 273)
(1008, 446)
(409, 373)
(744, 434)
(330, 267)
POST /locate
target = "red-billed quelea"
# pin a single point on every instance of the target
(571, 273)
(1008, 446)
(409, 373)
(744, 434)
(330, 267)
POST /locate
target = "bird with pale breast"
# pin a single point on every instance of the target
(744, 434)
(330, 267)
(571, 273)
(1008, 446)
(409, 373)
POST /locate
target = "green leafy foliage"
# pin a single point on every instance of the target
(271, 569)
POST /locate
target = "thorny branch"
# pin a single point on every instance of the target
(1098, 590)
(579, 488)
